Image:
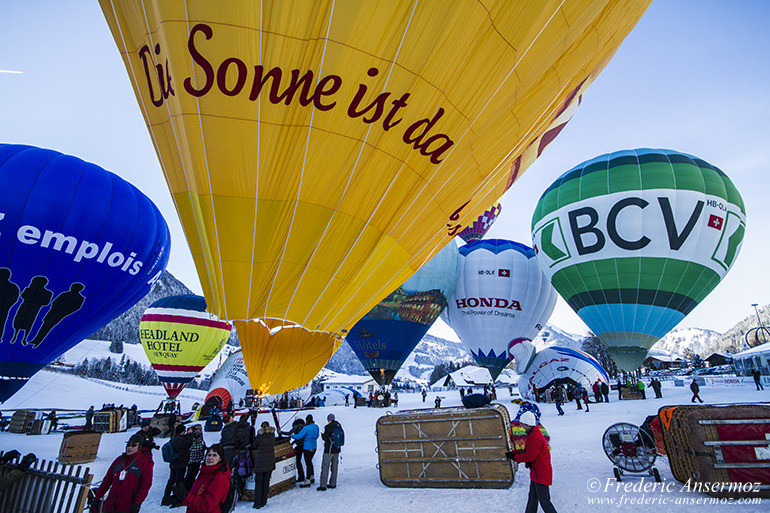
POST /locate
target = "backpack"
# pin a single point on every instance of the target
(243, 465)
(227, 504)
(338, 437)
(168, 452)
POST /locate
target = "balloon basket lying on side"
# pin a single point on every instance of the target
(445, 448)
(283, 478)
(79, 447)
(720, 450)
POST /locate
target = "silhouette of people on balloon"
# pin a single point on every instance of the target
(34, 297)
(66, 303)
(9, 294)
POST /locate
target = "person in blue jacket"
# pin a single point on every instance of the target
(309, 436)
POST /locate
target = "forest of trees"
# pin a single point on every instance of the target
(124, 371)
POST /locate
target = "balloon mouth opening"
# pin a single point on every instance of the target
(628, 358)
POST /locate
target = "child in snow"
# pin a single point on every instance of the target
(537, 456)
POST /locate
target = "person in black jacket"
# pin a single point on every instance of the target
(695, 390)
(175, 489)
(263, 451)
(331, 455)
(296, 427)
(148, 434)
(228, 438)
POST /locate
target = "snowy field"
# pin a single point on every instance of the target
(578, 459)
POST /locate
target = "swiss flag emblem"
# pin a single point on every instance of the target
(715, 221)
(504, 273)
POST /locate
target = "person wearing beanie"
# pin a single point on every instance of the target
(537, 456)
(197, 453)
(175, 490)
(148, 434)
(333, 438)
(309, 436)
(127, 481)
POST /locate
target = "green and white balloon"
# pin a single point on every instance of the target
(634, 240)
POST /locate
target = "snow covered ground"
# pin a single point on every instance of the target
(578, 460)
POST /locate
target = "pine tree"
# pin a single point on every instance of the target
(116, 346)
(593, 346)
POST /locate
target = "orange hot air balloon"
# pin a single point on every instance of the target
(320, 152)
(282, 356)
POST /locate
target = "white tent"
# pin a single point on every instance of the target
(756, 358)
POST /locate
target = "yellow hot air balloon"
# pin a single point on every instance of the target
(282, 356)
(320, 152)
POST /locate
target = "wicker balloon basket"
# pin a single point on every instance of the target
(724, 448)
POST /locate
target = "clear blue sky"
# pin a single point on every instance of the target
(693, 76)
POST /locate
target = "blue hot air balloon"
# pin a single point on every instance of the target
(78, 246)
(389, 332)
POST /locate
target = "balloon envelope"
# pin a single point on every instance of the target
(79, 247)
(478, 228)
(388, 333)
(320, 152)
(231, 381)
(559, 365)
(634, 240)
(281, 356)
(180, 338)
(501, 302)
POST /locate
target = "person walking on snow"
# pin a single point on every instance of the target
(559, 399)
(605, 392)
(655, 384)
(309, 436)
(536, 456)
(584, 395)
(333, 437)
(757, 379)
(695, 389)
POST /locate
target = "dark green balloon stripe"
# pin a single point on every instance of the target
(672, 300)
(622, 174)
(664, 274)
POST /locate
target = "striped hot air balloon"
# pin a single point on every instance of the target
(180, 338)
(634, 240)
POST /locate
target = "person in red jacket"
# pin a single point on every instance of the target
(210, 488)
(128, 480)
(537, 457)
